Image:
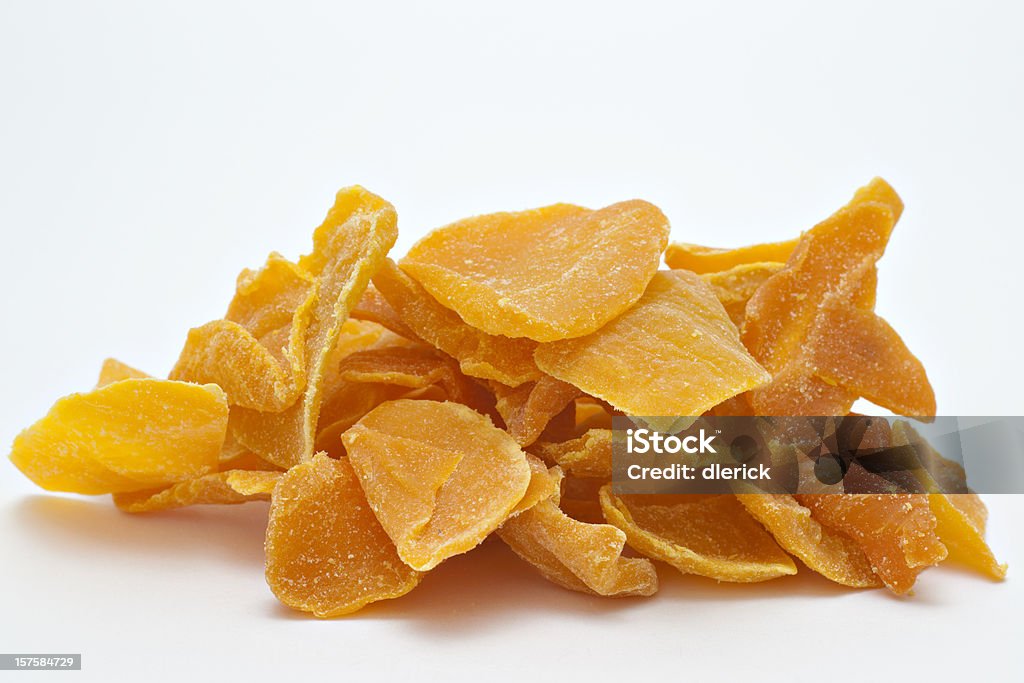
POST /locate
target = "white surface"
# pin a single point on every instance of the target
(147, 155)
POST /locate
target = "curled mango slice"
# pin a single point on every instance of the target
(439, 476)
(326, 552)
(219, 488)
(542, 274)
(130, 435)
(675, 353)
(735, 286)
(529, 408)
(710, 536)
(576, 555)
(589, 455)
(699, 259)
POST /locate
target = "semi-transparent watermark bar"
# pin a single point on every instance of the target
(851, 454)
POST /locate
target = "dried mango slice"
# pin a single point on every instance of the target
(220, 488)
(546, 274)
(326, 552)
(895, 531)
(413, 367)
(675, 353)
(487, 356)
(735, 286)
(348, 247)
(592, 414)
(699, 259)
(256, 354)
(710, 536)
(375, 308)
(800, 317)
(130, 435)
(960, 524)
(576, 555)
(439, 476)
(830, 553)
(529, 408)
(114, 370)
(589, 455)
(544, 483)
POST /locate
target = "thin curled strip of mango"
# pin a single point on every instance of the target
(735, 286)
(674, 353)
(576, 555)
(219, 488)
(589, 455)
(710, 536)
(348, 247)
(129, 435)
(439, 476)
(527, 409)
(542, 274)
(326, 553)
(701, 260)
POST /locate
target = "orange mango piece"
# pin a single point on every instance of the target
(578, 556)
(589, 455)
(960, 524)
(675, 353)
(412, 367)
(699, 259)
(326, 552)
(710, 536)
(439, 476)
(529, 408)
(219, 488)
(800, 326)
(830, 553)
(114, 370)
(256, 354)
(348, 247)
(487, 356)
(735, 286)
(895, 531)
(375, 308)
(130, 435)
(546, 274)
(544, 483)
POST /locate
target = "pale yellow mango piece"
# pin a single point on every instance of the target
(710, 536)
(576, 555)
(589, 455)
(326, 552)
(830, 553)
(700, 259)
(529, 408)
(960, 524)
(348, 247)
(220, 488)
(735, 286)
(114, 370)
(546, 274)
(130, 435)
(487, 356)
(439, 476)
(675, 353)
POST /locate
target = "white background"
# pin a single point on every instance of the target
(148, 154)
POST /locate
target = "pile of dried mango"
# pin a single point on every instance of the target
(396, 415)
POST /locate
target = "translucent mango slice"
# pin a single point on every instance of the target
(800, 316)
(487, 356)
(529, 408)
(830, 553)
(580, 499)
(699, 259)
(348, 247)
(735, 286)
(326, 552)
(412, 367)
(130, 435)
(960, 525)
(592, 414)
(374, 307)
(114, 370)
(220, 488)
(589, 455)
(675, 353)
(710, 536)
(576, 555)
(546, 274)
(895, 531)
(545, 483)
(256, 354)
(439, 476)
